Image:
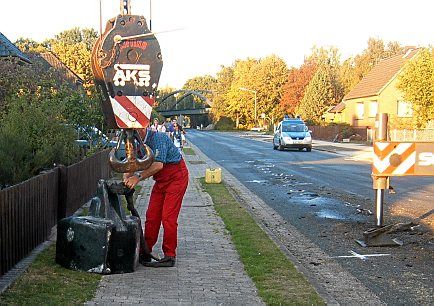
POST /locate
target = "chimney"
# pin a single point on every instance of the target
(407, 50)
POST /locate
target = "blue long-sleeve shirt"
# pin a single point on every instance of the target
(163, 148)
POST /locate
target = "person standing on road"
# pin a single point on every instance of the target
(171, 180)
(168, 126)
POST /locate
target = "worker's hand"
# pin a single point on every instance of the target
(131, 181)
(127, 175)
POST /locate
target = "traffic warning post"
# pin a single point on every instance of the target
(393, 158)
(403, 158)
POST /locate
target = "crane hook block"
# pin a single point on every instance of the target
(126, 64)
(139, 156)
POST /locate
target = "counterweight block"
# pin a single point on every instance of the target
(105, 242)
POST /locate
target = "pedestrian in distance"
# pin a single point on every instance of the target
(154, 125)
(172, 126)
(171, 179)
(178, 137)
(168, 126)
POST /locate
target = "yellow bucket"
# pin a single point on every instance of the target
(213, 176)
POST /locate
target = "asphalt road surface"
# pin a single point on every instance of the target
(329, 198)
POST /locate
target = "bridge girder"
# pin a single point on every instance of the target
(187, 92)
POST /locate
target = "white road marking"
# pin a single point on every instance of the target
(360, 256)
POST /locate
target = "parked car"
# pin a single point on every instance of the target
(292, 133)
(90, 136)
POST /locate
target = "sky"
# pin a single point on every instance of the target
(213, 33)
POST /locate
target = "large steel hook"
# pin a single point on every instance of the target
(138, 156)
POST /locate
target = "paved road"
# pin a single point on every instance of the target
(327, 197)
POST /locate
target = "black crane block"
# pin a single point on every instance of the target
(83, 244)
(124, 247)
(106, 241)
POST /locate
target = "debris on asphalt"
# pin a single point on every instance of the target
(364, 211)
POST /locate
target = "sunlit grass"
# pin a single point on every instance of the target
(276, 278)
(47, 283)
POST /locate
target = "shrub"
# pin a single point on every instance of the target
(347, 131)
(38, 108)
(31, 140)
(225, 123)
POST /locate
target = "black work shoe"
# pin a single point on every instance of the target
(145, 258)
(166, 261)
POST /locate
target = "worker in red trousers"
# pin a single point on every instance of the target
(171, 179)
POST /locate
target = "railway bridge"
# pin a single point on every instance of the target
(192, 105)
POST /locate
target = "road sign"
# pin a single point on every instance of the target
(403, 158)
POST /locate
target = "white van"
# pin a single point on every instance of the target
(292, 133)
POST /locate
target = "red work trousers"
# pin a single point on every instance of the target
(164, 206)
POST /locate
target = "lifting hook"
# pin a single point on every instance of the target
(138, 156)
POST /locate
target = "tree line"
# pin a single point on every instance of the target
(309, 90)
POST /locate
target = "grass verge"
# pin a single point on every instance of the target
(47, 283)
(188, 151)
(275, 277)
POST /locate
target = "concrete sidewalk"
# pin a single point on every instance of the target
(208, 269)
(354, 151)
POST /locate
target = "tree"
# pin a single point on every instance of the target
(32, 139)
(348, 76)
(34, 133)
(293, 90)
(269, 76)
(264, 76)
(240, 106)
(74, 47)
(29, 45)
(329, 59)
(417, 83)
(163, 93)
(203, 84)
(319, 96)
(221, 87)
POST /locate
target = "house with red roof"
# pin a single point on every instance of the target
(375, 93)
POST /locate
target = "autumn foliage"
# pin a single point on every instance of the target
(293, 90)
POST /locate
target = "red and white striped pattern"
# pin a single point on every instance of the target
(132, 111)
(405, 152)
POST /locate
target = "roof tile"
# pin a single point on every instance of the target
(9, 49)
(382, 73)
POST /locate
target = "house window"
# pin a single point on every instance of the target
(405, 109)
(360, 110)
(373, 109)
